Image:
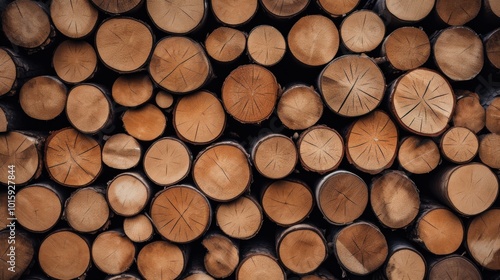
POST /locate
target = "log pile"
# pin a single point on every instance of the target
(246, 139)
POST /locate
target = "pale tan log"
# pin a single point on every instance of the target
(222, 171)
(138, 228)
(178, 16)
(459, 145)
(454, 267)
(274, 156)
(241, 218)
(287, 202)
(43, 97)
(249, 93)
(492, 7)
(406, 48)
(360, 248)
(56, 253)
(422, 102)
(167, 161)
(404, 261)
(400, 12)
(313, 40)
(132, 90)
(72, 159)
(117, 7)
(234, 13)
(342, 197)
(124, 44)
(74, 18)
(225, 44)
(418, 155)
(338, 8)
(164, 100)
(121, 151)
(199, 118)
(458, 53)
(493, 116)
(301, 248)
(469, 189)
(181, 213)
(128, 194)
(457, 12)
(362, 31)
(321, 149)
(469, 112)
(266, 45)
(24, 253)
(160, 260)
(299, 107)
(87, 210)
(489, 150)
(74, 61)
(222, 256)
(145, 123)
(24, 152)
(352, 85)
(284, 9)
(394, 199)
(483, 241)
(492, 47)
(179, 65)
(112, 252)
(372, 142)
(259, 262)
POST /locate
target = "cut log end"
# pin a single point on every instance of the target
(469, 112)
(241, 218)
(74, 61)
(117, 7)
(284, 8)
(38, 207)
(453, 12)
(418, 155)
(266, 45)
(121, 151)
(259, 266)
(440, 231)
(489, 150)
(234, 13)
(74, 19)
(337, 8)
(409, 10)
(407, 48)
(299, 107)
(225, 44)
(275, 156)
(145, 123)
(362, 31)
(321, 149)
(459, 145)
(138, 228)
(492, 48)
(21, 151)
(448, 268)
(132, 90)
(483, 240)
(24, 254)
(128, 194)
(122, 256)
(177, 17)
(88, 108)
(8, 72)
(161, 259)
(493, 116)
(43, 97)
(87, 210)
(164, 100)
(222, 256)
(405, 264)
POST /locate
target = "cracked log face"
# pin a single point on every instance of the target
(21, 151)
(407, 48)
(234, 12)
(8, 72)
(275, 156)
(284, 8)
(128, 194)
(225, 44)
(321, 149)
(362, 31)
(418, 155)
(74, 61)
(177, 16)
(266, 45)
(74, 18)
(457, 12)
(241, 218)
(299, 107)
(117, 7)
(459, 145)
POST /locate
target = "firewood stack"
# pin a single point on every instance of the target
(250, 139)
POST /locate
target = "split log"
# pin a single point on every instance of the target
(321, 149)
(249, 93)
(167, 161)
(394, 199)
(403, 12)
(138, 228)
(199, 118)
(469, 189)
(404, 261)
(437, 229)
(287, 202)
(222, 256)
(117, 7)
(371, 142)
(241, 218)
(483, 241)
(342, 197)
(406, 48)
(453, 12)
(161, 259)
(453, 267)
(493, 116)
(74, 61)
(469, 112)
(299, 107)
(222, 171)
(121, 151)
(145, 123)
(43, 97)
(87, 210)
(458, 52)
(313, 40)
(422, 101)
(128, 194)
(266, 45)
(225, 44)
(284, 9)
(15, 69)
(22, 151)
(418, 155)
(178, 17)
(180, 213)
(112, 252)
(55, 254)
(360, 248)
(124, 44)
(459, 145)
(21, 258)
(489, 150)
(74, 19)
(72, 159)
(164, 100)
(33, 34)
(89, 108)
(259, 262)
(234, 13)
(274, 156)
(338, 8)
(352, 85)
(362, 31)
(492, 47)
(132, 90)
(301, 248)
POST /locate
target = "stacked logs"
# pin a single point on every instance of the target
(149, 139)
